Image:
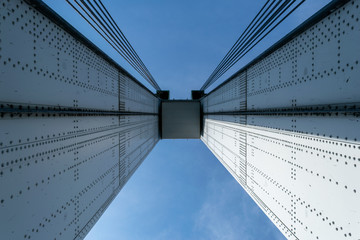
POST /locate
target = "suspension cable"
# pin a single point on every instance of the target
(99, 18)
(265, 21)
(252, 44)
(257, 34)
(122, 35)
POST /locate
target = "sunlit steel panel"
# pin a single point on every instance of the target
(287, 127)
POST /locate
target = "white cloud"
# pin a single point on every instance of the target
(227, 213)
(216, 219)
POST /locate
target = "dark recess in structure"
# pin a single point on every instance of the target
(197, 94)
(163, 94)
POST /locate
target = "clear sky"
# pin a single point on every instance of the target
(181, 191)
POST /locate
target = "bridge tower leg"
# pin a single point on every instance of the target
(287, 127)
(74, 126)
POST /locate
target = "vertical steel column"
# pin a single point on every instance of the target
(301, 127)
(74, 126)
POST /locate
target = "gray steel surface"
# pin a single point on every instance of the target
(74, 126)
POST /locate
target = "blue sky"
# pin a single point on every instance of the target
(182, 191)
(186, 195)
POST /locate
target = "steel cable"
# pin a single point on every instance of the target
(253, 38)
(240, 39)
(123, 36)
(255, 32)
(248, 39)
(99, 18)
(116, 47)
(252, 44)
(108, 31)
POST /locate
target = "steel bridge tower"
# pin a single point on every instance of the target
(75, 126)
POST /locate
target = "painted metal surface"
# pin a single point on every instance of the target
(74, 127)
(287, 128)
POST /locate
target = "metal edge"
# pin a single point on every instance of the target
(66, 26)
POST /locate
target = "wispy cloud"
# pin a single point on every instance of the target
(227, 215)
(194, 199)
(215, 218)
